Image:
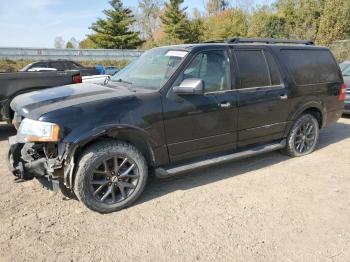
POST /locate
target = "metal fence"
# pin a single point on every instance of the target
(15, 53)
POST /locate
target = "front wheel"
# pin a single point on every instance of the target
(110, 176)
(303, 136)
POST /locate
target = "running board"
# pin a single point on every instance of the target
(168, 172)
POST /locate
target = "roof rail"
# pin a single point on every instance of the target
(215, 41)
(237, 40)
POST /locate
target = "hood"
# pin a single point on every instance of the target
(35, 104)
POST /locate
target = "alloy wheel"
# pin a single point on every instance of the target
(305, 137)
(114, 180)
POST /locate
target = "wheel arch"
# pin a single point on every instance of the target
(314, 108)
(129, 134)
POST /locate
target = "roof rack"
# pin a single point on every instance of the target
(237, 40)
(214, 41)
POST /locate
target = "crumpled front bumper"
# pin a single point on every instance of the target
(24, 168)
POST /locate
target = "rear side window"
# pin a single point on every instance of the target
(311, 66)
(71, 65)
(58, 65)
(252, 68)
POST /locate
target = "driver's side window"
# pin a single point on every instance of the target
(212, 67)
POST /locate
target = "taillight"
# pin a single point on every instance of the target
(77, 79)
(342, 92)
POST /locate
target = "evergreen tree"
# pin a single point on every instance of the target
(114, 32)
(276, 27)
(175, 21)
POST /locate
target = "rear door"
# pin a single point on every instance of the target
(262, 96)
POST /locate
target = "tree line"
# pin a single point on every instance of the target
(156, 23)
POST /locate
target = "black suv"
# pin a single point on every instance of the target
(175, 109)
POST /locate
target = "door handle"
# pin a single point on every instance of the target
(284, 97)
(225, 105)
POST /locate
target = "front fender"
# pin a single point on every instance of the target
(113, 131)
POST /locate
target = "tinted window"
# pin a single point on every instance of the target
(40, 64)
(252, 68)
(71, 65)
(311, 66)
(212, 67)
(274, 71)
(58, 65)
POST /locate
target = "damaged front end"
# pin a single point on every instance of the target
(48, 162)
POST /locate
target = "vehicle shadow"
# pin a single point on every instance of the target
(6, 131)
(160, 187)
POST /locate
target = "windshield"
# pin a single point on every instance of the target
(346, 71)
(152, 69)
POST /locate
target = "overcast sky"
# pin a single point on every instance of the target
(35, 23)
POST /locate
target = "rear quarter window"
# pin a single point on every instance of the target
(311, 66)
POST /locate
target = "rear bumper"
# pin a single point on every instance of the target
(333, 117)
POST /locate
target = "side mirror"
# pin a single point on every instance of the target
(190, 86)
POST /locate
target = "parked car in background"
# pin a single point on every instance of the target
(176, 109)
(14, 84)
(344, 65)
(61, 65)
(107, 70)
(345, 68)
(111, 70)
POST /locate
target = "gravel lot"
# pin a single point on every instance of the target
(266, 208)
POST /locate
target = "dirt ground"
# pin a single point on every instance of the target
(266, 208)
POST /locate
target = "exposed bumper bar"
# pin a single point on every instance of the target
(23, 168)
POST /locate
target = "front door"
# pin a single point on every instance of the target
(196, 125)
(262, 97)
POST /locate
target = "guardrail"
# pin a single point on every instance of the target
(15, 53)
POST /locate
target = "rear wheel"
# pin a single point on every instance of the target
(303, 136)
(111, 176)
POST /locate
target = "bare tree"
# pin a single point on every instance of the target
(59, 42)
(74, 42)
(148, 17)
(216, 6)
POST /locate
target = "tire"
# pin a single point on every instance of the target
(110, 176)
(303, 136)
